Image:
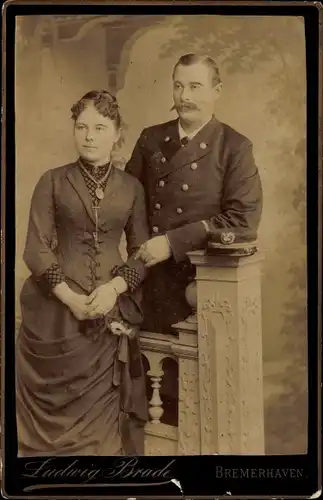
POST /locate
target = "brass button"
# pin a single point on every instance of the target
(163, 159)
(185, 187)
(155, 229)
(167, 138)
(179, 210)
(194, 166)
(158, 206)
(203, 145)
(161, 184)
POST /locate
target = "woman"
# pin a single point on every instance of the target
(78, 356)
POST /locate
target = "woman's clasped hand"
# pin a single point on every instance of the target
(99, 303)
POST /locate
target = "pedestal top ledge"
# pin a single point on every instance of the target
(212, 258)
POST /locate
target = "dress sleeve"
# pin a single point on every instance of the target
(38, 254)
(53, 276)
(136, 230)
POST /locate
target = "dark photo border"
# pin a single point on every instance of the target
(196, 476)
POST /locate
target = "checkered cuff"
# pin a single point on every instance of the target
(53, 275)
(129, 274)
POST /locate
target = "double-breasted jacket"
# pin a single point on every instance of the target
(213, 179)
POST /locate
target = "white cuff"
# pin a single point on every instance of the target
(207, 228)
(170, 246)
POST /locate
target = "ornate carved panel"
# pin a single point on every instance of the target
(251, 375)
(215, 316)
(189, 440)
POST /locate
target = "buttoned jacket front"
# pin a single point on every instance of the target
(213, 179)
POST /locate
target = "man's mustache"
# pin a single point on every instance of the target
(184, 106)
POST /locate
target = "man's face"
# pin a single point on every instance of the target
(194, 93)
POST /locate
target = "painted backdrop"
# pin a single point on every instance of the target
(262, 63)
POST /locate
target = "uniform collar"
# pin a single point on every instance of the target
(190, 136)
(171, 156)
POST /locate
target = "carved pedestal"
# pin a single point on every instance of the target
(229, 353)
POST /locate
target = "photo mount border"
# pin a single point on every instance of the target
(12, 486)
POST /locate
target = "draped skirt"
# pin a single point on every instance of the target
(73, 390)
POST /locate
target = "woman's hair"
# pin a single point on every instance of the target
(104, 102)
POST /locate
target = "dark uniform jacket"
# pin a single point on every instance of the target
(214, 179)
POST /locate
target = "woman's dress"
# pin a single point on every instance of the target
(74, 378)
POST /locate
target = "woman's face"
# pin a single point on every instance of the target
(94, 135)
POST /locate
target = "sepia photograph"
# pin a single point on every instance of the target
(161, 255)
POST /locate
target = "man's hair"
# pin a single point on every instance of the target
(189, 59)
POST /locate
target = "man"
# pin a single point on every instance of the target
(200, 181)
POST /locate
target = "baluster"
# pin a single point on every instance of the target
(191, 298)
(156, 410)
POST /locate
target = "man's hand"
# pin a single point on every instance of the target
(101, 301)
(155, 250)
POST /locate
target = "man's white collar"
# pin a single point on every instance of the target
(190, 136)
